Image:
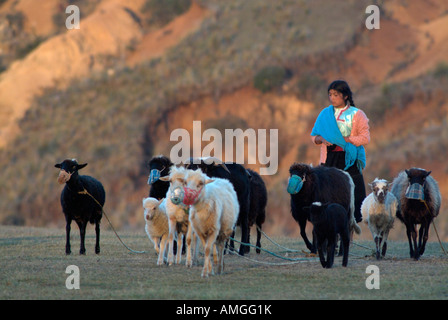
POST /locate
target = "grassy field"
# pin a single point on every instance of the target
(33, 265)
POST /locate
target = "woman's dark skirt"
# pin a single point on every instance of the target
(337, 159)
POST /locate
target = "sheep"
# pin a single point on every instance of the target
(156, 225)
(77, 204)
(419, 202)
(177, 213)
(214, 211)
(320, 184)
(378, 210)
(240, 179)
(257, 207)
(329, 220)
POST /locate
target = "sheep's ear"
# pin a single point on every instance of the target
(429, 172)
(165, 178)
(209, 181)
(80, 166)
(407, 172)
(58, 165)
(160, 202)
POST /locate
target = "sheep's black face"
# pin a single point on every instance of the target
(417, 178)
(68, 168)
(158, 167)
(299, 169)
(316, 212)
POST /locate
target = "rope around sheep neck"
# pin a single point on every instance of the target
(110, 223)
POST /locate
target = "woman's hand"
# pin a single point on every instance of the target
(320, 140)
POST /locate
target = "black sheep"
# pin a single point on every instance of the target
(80, 206)
(159, 166)
(419, 202)
(329, 220)
(257, 208)
(319, 184)
(239, 177)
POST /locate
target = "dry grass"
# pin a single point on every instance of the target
(34, 263)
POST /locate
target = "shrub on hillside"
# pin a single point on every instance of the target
(163, 11)
(270, 78)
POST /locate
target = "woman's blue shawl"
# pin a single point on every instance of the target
(326, 127)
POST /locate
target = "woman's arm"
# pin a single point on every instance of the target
(360, 135)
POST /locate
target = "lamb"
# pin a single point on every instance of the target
(320, 184)
(214, 211)
(329, 220)
(419, 202)
(378, 210)
(77, 202)
(177, 213)
(156, 225)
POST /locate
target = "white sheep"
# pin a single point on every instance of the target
(156, 225)
(177, 213)
(378, 210)
(214, 211)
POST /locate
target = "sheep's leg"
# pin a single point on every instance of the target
(196, 248)
(244, 234)
(67, 236)
(180, 237)
(155, 240)
(163, 241)
(424, 230)
(383, 251)
(97, 232)
(321, 253)
(231, 242)
(220, 263)
(346, 243)
(414, 251)
(308, 244)
(257, 250)
(208, 265)
(172, 230)
(189, 262)
(378, 246)
(82, 233)
(331, 248)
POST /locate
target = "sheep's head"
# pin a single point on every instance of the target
(298, 173)
(150, 206)
(159, 166)
(417, 178)
(69, 167)
(176, 179)
(380, 187)
(316, 211)
(194, 185)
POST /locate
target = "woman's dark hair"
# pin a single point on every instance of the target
(342, 87)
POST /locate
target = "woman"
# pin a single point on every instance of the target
(342, 130)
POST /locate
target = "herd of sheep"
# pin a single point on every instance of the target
(205, 200)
